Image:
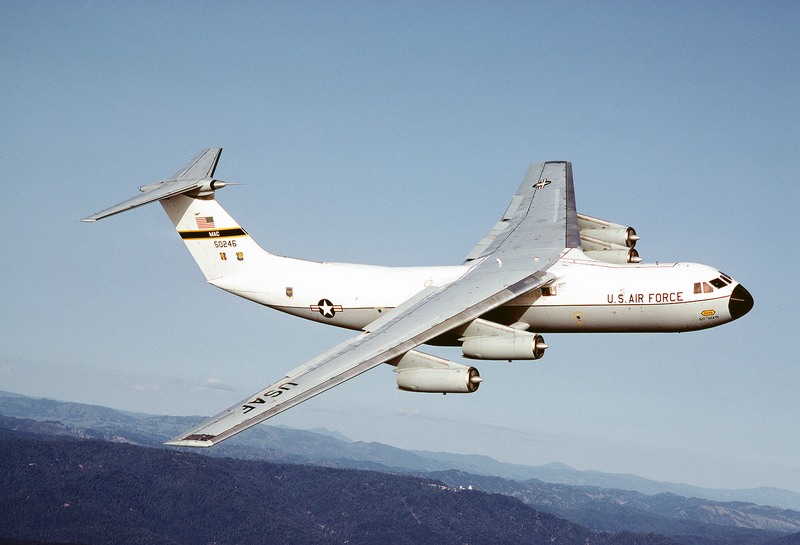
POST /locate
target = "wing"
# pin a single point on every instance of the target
(514, 262)
(189, 178)
(539, 176)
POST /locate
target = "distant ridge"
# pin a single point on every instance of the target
(325, 447)
(77, 480)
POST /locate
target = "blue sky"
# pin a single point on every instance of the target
(395, 135)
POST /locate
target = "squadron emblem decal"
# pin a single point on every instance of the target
(289, 292)
(543, 182)
(326, 308)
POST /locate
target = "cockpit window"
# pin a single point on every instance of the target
(705, 287)
(719, 283)
(725, 277)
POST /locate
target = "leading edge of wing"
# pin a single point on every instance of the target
(169, 189)
(438, 312)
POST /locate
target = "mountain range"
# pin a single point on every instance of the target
(323, 447)
(598, 501)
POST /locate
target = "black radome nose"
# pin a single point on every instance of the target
(740, 302)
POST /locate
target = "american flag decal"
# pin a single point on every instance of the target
(205, 222)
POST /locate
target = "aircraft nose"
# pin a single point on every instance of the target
(740, 302)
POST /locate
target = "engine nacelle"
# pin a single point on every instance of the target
(607, 231)
(629, 255)
(458, 380)
(607, 241)
(623, 236)
(517, 347)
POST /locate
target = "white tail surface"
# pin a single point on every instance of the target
(218, 244)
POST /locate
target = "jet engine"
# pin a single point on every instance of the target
(607, 241)
(461, 380)
(518, 347)
(420, 372)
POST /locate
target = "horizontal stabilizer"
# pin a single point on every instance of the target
(202, 166)
(195, 176)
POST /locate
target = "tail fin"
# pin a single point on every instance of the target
(218, 244)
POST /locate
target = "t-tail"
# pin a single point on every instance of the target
(217, 242)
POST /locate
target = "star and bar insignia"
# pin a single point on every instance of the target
(326, 308)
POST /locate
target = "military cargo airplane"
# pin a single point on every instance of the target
(542, 268)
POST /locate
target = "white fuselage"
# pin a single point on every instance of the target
(586, 296)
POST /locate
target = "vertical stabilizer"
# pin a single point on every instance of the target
(218, 244)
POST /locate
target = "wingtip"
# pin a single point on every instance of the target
(184, 443)
(192, 440)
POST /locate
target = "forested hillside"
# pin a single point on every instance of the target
(87, 491)
(685, 520)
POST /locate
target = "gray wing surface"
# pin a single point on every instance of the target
(188, 178)
(514, 262)
(539, 176)
(202, 166)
